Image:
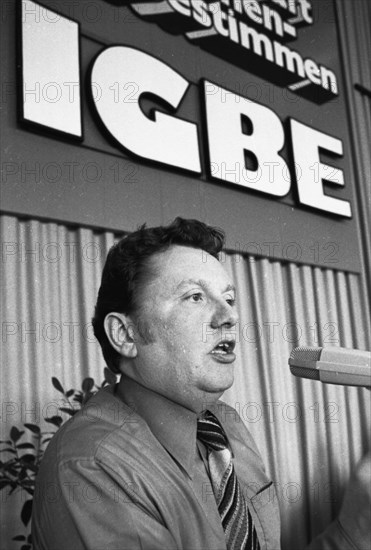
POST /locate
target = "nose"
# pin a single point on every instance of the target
(224, 315)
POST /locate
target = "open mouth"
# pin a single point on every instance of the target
(225, 347)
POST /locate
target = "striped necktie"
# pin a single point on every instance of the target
(236, 519)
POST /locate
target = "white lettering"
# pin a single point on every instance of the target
(164, 138)
(306, 141)
(228, 143)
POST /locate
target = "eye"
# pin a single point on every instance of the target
(231, 301)
(195, 297)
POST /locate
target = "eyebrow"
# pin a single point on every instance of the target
(203, 284)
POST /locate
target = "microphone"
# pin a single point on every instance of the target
(332, 365)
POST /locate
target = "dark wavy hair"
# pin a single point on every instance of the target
(126, 269)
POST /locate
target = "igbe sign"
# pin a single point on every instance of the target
(244, 138)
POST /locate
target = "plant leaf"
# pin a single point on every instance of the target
(71, 412)
(56, 420)
(26, 512)
(87, 384)
(33, 427)
(15, 434)
(58, 386)
(78, 398)
(19, 537)
(87, 396)
(28, 458)
(29, 483)
(109, 376)
(22, 474)
(4, 483)
(25, 446)
(69, 393)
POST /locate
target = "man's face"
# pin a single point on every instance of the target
(186, 319)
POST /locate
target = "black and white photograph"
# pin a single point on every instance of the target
(185, 275)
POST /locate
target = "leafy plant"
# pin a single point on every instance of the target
(20, 469)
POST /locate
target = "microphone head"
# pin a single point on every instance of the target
(332, 365)
(303, 362)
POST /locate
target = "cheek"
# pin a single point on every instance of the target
(189, 330)
(179, 337)
(154, 331)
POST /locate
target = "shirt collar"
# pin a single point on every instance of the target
(172, 424)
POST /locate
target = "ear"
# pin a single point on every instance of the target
(120, 332)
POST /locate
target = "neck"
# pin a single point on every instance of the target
(194, 403)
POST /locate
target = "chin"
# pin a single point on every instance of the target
(218, 386)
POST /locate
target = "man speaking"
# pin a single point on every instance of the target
(157, 461)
